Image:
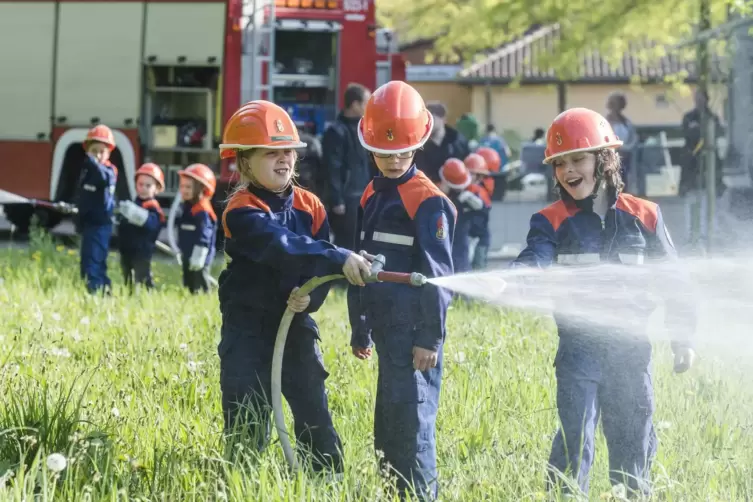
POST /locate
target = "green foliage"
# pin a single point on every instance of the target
(128, 389)
(470, 28)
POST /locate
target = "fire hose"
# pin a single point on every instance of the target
(68, 209)
(377, 275)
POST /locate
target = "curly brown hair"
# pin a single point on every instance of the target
(608, 168)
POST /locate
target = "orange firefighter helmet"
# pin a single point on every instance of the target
(578, 130)
(102, 134)
(492, 158)
(203, 175)
(395, 120)
(476, 164)
(154, 171)
(455, 174)
(259, 124)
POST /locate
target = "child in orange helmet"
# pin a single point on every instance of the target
(493, 164)
(405, 217)
(603, 371)
(277, 238)
(455, 181)
(96, 204)
(141, 222)
(479, 230)
(197, 227)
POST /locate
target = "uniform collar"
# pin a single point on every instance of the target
(277, 202)
(384, 183)
(587, 204)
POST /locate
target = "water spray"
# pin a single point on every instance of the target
(377, 275)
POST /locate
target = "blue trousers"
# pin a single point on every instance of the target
(95, 244)
(405, 414)
(481, 230)
(612, 381)
(245, 352)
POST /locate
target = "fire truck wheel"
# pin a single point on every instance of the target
(20, 216)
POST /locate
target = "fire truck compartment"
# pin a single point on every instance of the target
(305, 58)
(27, 33)
(88, 87)
(190, 33)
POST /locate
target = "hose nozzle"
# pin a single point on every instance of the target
(379, 275)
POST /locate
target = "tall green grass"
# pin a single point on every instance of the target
(127, 389)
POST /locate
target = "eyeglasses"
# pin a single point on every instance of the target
(403, 155)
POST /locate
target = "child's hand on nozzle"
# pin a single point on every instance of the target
(355, 268)
(298, 303)
(684, 359)
(362, 353)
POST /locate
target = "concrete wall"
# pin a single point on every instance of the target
(527, 107)
(457, 98)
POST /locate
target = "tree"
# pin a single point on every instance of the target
(467, 28)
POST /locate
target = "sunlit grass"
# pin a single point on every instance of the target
(127, 389)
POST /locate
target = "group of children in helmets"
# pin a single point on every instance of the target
(277, 239)
(141, 220)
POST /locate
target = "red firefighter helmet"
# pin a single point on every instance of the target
(492, 158)
(395, 120)
(154, 171)
(455, 174)
(476, 164)
(102, 134)
(203, 175)
(259, 124)
(578, 130)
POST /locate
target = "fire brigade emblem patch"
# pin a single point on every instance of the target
(278, 124)
(558, 139)
(390, 136)
(442, 227)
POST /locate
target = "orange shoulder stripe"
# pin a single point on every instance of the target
(646, 211)
(153, 204)
(367, 193)
(305, 201)
(416, 190)
(240, 200)
(206, 206)
(557, 213)
(482, 193)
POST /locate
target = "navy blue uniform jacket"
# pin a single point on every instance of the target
(197, 226)
(96, 198)
(633, 231)
(139, 242)
(275, 243)
(412, 223)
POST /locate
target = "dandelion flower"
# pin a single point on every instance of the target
(115, 412)
(184, 346)
(55, 316)
(56, 462)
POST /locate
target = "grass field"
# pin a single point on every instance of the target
(126, 388)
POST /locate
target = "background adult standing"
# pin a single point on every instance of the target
(348, 166)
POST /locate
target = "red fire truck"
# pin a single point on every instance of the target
(165, 75)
